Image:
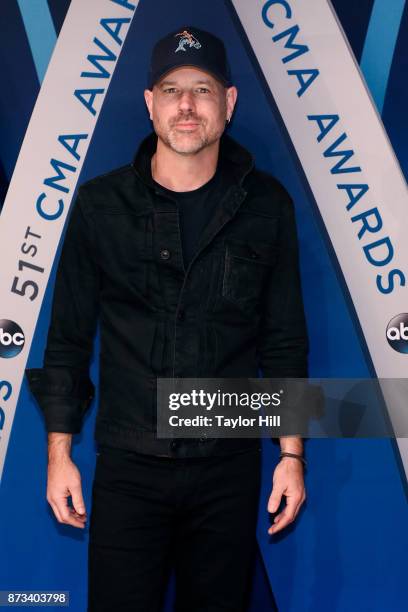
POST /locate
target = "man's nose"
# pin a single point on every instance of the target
(186, 101)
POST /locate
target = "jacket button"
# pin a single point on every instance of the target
(254, 254)
(173, 445)
(181, 315)
(165, 254)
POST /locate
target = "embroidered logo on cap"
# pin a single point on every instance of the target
(187, 39)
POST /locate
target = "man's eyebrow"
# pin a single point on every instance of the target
(197, 82)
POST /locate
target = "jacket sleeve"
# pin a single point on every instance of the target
(62, 387)
(283, 340)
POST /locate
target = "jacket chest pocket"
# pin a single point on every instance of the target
(126, 256)
(246, 267)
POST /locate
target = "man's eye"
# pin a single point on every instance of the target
(202, 90)
(169, 90)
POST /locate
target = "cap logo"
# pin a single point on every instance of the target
(187, 39)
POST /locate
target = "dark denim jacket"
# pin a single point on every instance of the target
(237, 308)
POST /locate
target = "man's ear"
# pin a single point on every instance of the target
(231, 99)
(148, 96)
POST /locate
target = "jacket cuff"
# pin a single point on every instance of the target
(63, 395)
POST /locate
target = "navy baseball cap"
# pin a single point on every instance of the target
(189, 46)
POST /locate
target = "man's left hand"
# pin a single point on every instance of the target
(287, 480)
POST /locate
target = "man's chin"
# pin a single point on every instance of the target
(187, 146)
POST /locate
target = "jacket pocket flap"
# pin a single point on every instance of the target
(256, 252)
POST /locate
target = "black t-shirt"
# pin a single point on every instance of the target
(196, 208)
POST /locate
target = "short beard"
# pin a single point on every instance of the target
(170, 138)
(191, 148)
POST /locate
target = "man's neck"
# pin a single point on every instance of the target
(183, 172)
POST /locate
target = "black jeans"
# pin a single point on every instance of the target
(151, 514)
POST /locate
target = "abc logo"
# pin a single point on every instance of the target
(11, 339)
(397, 333)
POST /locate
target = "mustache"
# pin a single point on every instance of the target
(185, 119)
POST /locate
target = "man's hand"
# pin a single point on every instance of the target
(287, 480)
(64, 480)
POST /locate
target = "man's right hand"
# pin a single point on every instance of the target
(64, 481)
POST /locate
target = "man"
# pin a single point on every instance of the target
(188, 257)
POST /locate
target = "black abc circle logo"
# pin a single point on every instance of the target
(397, 333)
(12, 339)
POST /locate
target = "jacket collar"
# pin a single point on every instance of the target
(237, 161)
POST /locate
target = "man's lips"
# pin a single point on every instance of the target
(186, 125)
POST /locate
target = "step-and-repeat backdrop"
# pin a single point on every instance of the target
(322, 106)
